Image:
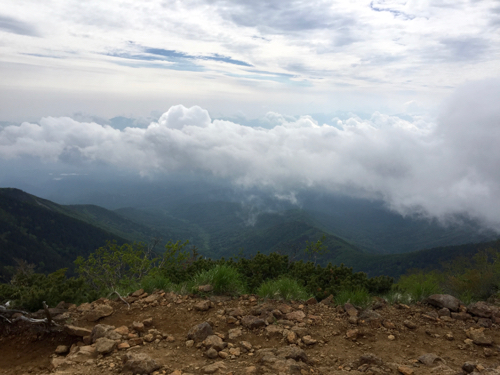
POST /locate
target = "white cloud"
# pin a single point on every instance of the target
(437, 168)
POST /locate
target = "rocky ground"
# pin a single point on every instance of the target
(164, 333)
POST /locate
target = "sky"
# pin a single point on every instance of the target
(386, 99)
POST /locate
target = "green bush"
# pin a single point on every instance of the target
(29, 290)
(153, 282)
(420, 285)
(283, 288)
(358, 296)
(223, 278)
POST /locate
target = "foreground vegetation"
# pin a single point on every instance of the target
(123, 268)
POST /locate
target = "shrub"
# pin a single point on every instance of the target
(223, 278)
(358, 296)
(29, 290)
(283, 288)
(153, 282)
(420, 285)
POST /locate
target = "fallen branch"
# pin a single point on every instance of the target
(120, 297)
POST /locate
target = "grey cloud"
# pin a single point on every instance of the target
(283, 16)
(438, 168)
(464, 49)
(12, 25)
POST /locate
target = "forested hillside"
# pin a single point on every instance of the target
(41, 232)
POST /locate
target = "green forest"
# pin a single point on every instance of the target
(50, 252)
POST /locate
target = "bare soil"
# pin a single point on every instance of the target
(340, 341)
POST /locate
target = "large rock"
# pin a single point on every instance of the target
(478, 337)
(83, 354)
(76, 331)
(480, 309)
(99, 331)
(139, 363)
(104, 345)
(444, 300)
(252, 322)
(98, 312)
(200, 332)
(214, 341)
(296, 315)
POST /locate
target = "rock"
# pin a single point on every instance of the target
(200, 332)
(236, 312)
(388, 324)
(468, 367)
(352, 334)
(311, 301)
(290, 336)
(292, 352)
(83, 354)
(488, 352)
(213, 368)
(138, 326)
(99, 331)
(444, 312)
(212, 353)
(205, 288)
(189, 343)
(148, 322)
(478, 337)
(139, 363)
(378, 303)
(370, 359)
(430, 359)
(137, 293)
(113, 335)
(308, 340)
(444, 300)
(246, 345)
(461, 316)
(214, 341)
(123, 330)
(284, 308)
(76, 331)
(296, 315)
(234, 333)
(480, 309)
(485, 322)
(151, 298)
(351, 310)
(252, 322)
(328, 300)
(409, 324)
(104, 345)
(202, 305)
(405, 370)
(123, 346)
(149, 337)
(274, 330)
(251, 370)
(62, 349)
(98, 312)
(235, 351)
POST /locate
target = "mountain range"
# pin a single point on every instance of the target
(360, 234)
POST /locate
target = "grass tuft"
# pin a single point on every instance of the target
(283, 288)
(223, 278)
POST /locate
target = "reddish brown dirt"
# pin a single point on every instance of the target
(28, 351)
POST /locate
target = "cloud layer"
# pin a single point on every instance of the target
(120, 57)
(438, 168)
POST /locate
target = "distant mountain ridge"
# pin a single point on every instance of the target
(52, 236)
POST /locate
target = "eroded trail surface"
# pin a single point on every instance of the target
(164, 333)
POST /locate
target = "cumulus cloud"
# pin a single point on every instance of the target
(436, 167)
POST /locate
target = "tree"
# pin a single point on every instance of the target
(314, 249)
